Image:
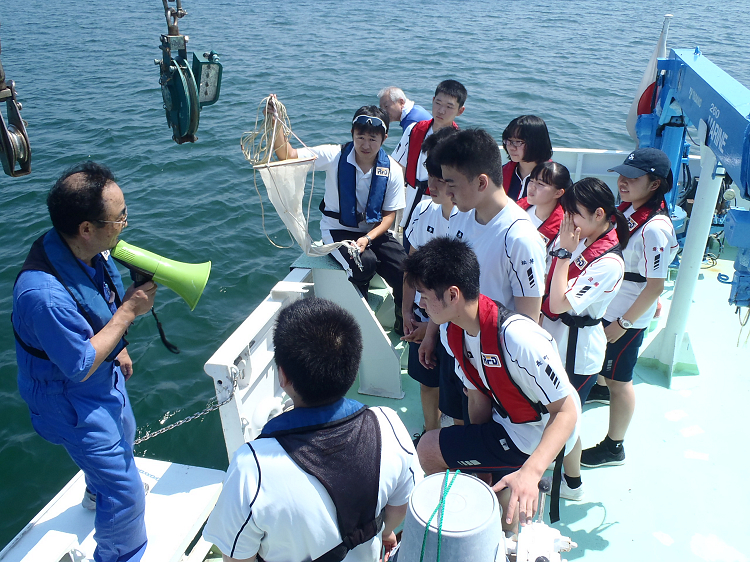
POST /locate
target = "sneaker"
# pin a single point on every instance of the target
(89, 500)
(572, 494)
(416, 438)
(600, 455)
(598, 394)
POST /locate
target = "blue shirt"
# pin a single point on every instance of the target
(46, 317)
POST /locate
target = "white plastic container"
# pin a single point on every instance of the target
(471, 530)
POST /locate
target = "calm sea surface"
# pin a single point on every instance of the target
(85, 76)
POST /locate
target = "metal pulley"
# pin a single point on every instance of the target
(15, 150)
(185, 88)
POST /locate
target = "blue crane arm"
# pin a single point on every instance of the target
(703, 91)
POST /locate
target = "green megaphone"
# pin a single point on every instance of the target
(186, 279)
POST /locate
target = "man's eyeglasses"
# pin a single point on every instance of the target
(514, 143)
(122, 222)
(369, 120)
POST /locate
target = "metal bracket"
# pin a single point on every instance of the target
(15, 149)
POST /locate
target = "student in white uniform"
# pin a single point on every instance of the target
(547, 183)
(527, 144)
(430, 220)
(522, 407)
(328, 468)
(510, 252)
(447, 105)
(585, 275)
(363, 190)
(645, 177)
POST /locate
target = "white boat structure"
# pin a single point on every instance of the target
(181, 497)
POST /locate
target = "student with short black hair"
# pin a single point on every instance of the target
(363, 190)
(527, 143)
(440, 391)
(522, 407)
(447, 105)
(501, 234)
(327, 469)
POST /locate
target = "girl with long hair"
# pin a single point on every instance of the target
(586, 272)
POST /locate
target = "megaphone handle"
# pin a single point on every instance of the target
(138, 278)
(170, 346)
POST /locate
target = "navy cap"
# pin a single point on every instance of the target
(644, 161)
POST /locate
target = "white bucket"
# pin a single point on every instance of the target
(471, 530)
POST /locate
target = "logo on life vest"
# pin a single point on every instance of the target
(382, 172)
(581, 262)
(632, 224)
(490, 360)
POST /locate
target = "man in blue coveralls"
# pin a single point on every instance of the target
(70, 313)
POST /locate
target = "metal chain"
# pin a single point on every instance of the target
(208, 409)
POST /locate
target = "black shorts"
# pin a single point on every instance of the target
(480, 448)
(621, 356)
(583, 385)
(451, 386)
(417, 371)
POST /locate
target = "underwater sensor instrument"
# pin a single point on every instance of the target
(186, 279)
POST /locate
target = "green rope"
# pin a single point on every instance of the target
(441, 504)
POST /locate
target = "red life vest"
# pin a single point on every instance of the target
(607, 242)
(416, 138)
(508, 170)
(507, 398)
(642, 215)
(549, 229)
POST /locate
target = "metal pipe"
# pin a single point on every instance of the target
(692, 256)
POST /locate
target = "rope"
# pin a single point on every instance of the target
(257, 146)
(439, 507)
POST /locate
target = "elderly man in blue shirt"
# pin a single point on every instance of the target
(70, 315)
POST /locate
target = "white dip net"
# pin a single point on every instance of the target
(285, 179)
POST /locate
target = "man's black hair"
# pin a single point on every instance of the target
(472, 152)
(533, 131)
(318, 345)
(433, 167)
(73, 201)
(441, 263)
(372, 111)
(453, 88)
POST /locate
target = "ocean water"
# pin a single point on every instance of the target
(85, 76)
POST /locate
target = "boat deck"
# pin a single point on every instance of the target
(680, 495)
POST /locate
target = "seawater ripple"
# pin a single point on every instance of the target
(85, 75)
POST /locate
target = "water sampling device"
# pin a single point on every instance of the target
(186, 279)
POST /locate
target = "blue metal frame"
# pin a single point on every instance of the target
(693, 89)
